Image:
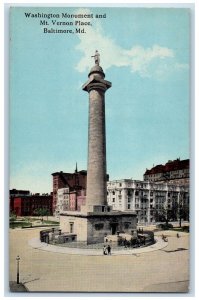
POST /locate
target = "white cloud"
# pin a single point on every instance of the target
(156, 61)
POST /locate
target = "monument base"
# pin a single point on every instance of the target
(94, 227)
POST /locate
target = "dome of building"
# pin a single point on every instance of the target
(96, 69)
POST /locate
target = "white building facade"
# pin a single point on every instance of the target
(62, 201)
(151, 201)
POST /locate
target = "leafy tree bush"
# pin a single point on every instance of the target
(185, 228)
(41, 212)
(165, 226)
(12, 217)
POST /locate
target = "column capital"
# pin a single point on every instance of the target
(96, 83)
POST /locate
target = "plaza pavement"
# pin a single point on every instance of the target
(161, 270)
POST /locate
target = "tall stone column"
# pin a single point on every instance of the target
(96, 86)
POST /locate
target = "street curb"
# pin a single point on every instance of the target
(36, 244)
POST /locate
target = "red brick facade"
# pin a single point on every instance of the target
(176, 171)
(74, 181)
(27, 205)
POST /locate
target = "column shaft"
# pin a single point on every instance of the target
(96, 174)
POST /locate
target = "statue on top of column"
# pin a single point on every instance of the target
(96, 58)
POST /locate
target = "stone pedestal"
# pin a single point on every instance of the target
(93, 227)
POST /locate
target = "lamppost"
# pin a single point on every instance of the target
(17, 259)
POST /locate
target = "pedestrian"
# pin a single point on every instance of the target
(104, 250)
(178, 235)
(47, 238)
(109, 249)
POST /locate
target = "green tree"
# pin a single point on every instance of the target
(183, 211)
(165, 214)
(13, 217)
(42, 212)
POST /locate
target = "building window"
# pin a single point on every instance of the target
(113, 200)
(127, 225)
(71, 227)
(113, 193)
(129, 206)
(99, 226)
(129, 193)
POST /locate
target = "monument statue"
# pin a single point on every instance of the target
(96, 219)
(96, 57)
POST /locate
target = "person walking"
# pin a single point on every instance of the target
(105, 250)
(109, 249)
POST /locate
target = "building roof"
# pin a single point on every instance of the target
(19, 192)
(76, 180)
(171, 165)
(83, 172)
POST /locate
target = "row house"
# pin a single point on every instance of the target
(69, 200)
(62, 200)
(72, 186)
(28, 205)
(14, 193)
(73, 181)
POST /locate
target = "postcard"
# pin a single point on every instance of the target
(99, 149)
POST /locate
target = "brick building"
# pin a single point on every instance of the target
(74, 182)
(174, 171)
(26, 205)
(77, 199)
(76, 185)
(16, 193)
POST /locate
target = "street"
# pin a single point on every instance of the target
(165, 270)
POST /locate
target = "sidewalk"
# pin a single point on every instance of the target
(35, 243)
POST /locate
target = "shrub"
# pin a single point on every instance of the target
(19, 224)
(13, 217)
(165, 226)
(185, 228)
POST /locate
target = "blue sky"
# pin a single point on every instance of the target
(144, 53)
